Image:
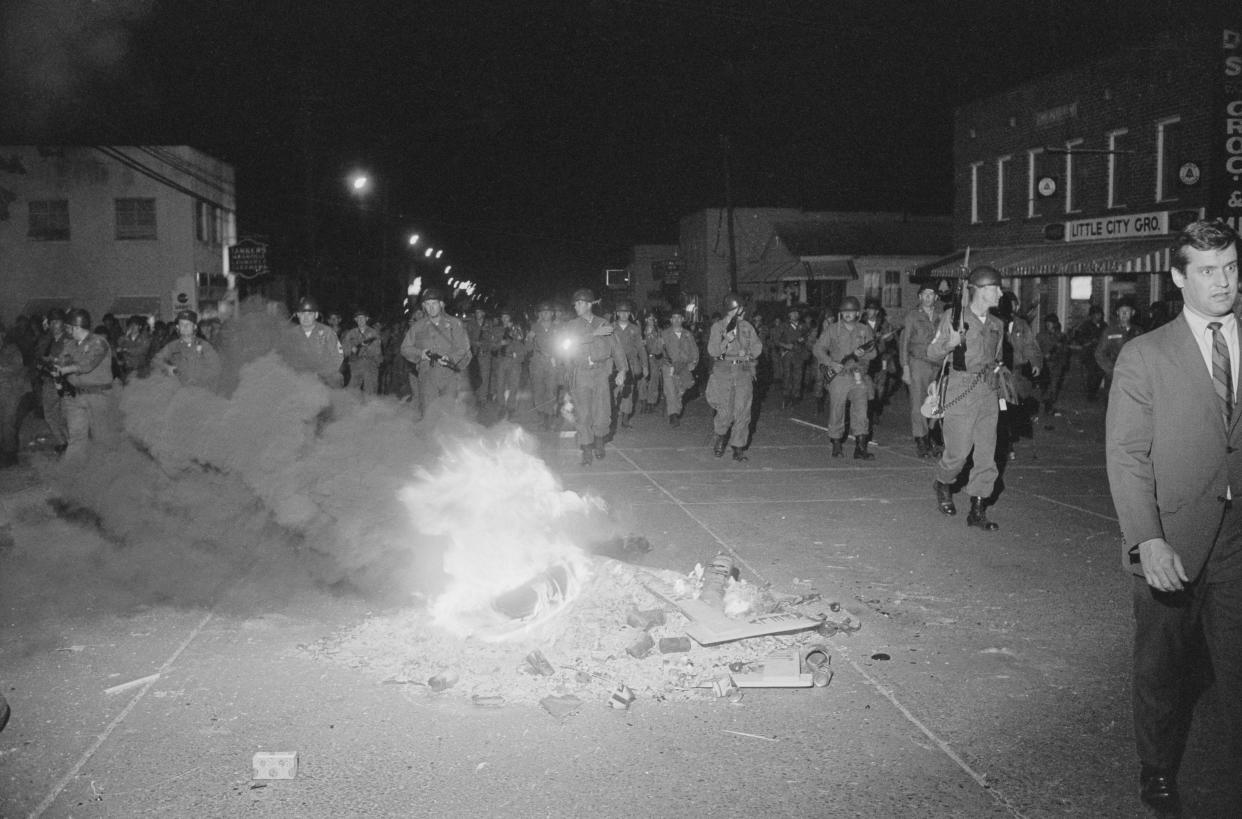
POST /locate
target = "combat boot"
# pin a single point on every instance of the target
(837, 447)
(944, 498)
(860, 448)
(718, 447)
(674, 420)
(921, 448)
(739, 455)
(587, 459)
(978, 516)
(625, 420)
(599, 450)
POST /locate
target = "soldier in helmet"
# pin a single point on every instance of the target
(592, 355)
(482, 342)
(364, 351)
(48, 351)
(630, 338)
(845, 350)
(789, 339)
(86, 363)
(511, 352)
(545, 372)
(918, 369)
(734, 346)
(439, 348)
(971, 404)
(314, 346)
(649, 388)
(190, 357)
(679, 355)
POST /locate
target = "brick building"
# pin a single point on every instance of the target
(123, 230)
(1073, 185)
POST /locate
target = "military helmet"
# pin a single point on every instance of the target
(679, 312)
(433, 294)
(984, 275)
(307, 304)
(874, 304)
(625, 306)
(362, 311)
(187, 315)
(583, 294)
(56, 314)
(732, 301)
(849, 304)
(545, 306)
(79, 318)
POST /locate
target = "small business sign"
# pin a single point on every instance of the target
(248, 259)
(1130, 226)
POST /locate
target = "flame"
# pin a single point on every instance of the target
(511, 558)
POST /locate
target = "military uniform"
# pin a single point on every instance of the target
(837, 350)
(789, 342)
(883, 366)
(364, 351)
(731, 385)
(649, 386)
(630, 339)
(133, 351)
(592, 359)
(919, 368)
(195, 363)
(511, 353)
(680, 355)
(446, 373)
(85, 411)
(545, 370)
(317, 350)
(482, 343)
(49, 350)
(971, 405)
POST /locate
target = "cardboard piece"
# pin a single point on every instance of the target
(275, 764)
(780, 669)
(709, 625)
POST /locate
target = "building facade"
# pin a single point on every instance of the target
(789, 256)
(123, 230)
(1074, 185)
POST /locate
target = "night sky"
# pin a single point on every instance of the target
(537, 141)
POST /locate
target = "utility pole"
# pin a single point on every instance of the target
(724, 150)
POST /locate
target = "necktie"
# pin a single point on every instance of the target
(1222, 371)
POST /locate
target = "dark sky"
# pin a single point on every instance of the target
(543, 134)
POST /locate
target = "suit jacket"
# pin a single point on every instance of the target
(1170, 456)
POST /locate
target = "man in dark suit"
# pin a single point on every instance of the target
(1174, 450)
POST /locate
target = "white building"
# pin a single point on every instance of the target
(123, 230)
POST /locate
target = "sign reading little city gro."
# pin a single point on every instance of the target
(1129, 226)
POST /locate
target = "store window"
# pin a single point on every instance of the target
(1118, 167)
(1002, 168)
(892, 289)
(135, 219)
(974, 192)
(1071, 205)
(49, 220)
(1169, 138)
(1034, 158)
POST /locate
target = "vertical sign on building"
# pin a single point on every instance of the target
(1226, 197)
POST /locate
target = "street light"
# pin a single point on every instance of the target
(428, 252)
(413, 239)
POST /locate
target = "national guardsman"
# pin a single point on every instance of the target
(439, 348)
(592, 354)
(733, 346)
(630, 339)
(971, 404)
(545, 370)
(846, 350)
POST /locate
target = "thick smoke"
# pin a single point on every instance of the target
(282, 477)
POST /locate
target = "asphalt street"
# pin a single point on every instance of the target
(989, 678)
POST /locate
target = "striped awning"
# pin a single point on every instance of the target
(1064, 259)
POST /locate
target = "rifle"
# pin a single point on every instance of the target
(958, 321)
(63, 388)
(732, 325)
(849, 359)
(440, 360)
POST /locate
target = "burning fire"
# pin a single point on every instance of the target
(511, 557)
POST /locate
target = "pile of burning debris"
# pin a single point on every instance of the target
(630, 634)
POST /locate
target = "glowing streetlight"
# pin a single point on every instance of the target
(448, 268)
(413, 239)
(360, 183)
(439, 253)
(428, 252)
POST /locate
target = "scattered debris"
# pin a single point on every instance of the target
(645, 619)
(117, 689)
(880, 655)
(560, 705)
(781, 669)
(752, 736)
(539, 664)
(641, 646)
(442, 681)
(275, 764)
(489, 701)
(622, 697)
(674, 645)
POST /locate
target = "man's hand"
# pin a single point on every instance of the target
(1034, 372)
(620, 379)
(905, 376)
(955, 338)
(859, 352)
(1161, 565)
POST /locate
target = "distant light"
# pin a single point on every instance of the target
(415, 287)
(413, 239)
(439, 253)
(448, 268)
(360, 182)
(428, 252)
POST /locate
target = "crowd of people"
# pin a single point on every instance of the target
(60, 365)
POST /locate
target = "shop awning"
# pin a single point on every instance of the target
(1066, 259)
(39, 307)
(124, 306)
(837, 268)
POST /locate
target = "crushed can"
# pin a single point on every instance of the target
(621, 698)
